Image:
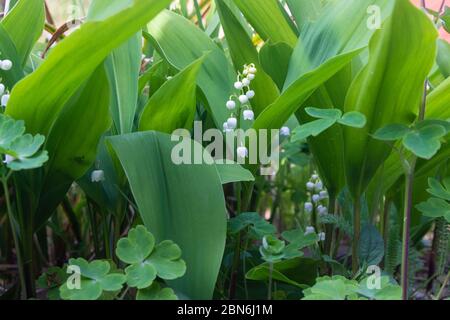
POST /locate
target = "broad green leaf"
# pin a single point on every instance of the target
(313, 128)
(274, 58)
(306, 11)
(388, 89)
(443, 57)
(275, 115)
(268, 19)
(136, 247)
(353, 119)
(103, 9)
(299, 238)
(172, 199)
(333, 114)
(243, 52)
(233, 173)
(155, 292)
(173, 105)
(72, 141)
(391, 132)
(24, 24)
(371, 246)
(438, 101)
(122, 67)
(180, 42)
(8, 51)
(424, 142)
(58, 78)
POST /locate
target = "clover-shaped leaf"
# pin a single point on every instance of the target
(299, 238)
(335, 288)
(424, 142)
(435, 208)
(332, 114)
(155, 292)
(10, 129)
(387, 290)
(148, 261)
(439, 190)
(353, 119)
(272, 248)
(136, 246)
(167, 260)
(258, 226)
(391, 132)
(313, 128)
(94, 279)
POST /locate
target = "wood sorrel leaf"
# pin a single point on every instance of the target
(424, 142)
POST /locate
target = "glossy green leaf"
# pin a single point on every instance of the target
(275, 115)
(233, 173)
(274, 58)
(47, 90)
(24, 24)
(172, 199)
(388, 89)
(306, 11)
(267, 17)
(173, 105)
(438, 101)
(243, 52)
(8, 51)
(180, 42)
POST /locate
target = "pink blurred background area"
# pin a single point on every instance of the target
(434, 5)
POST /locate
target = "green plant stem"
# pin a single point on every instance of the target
(15, 237)
(356, 234)
(199, 15)
(409, 183)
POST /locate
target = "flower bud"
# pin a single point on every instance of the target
(2, 89)
(250, 94)
(5, 100)
(243, 99)
(309, 207)
(231, 123)
(321, 236)
(231, 105)
(242, 152)
(6, 65)
(310, 185)
(238, 85)
(246, 82)
(315, 198)
(251, 76)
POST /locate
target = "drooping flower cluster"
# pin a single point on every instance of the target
(240, 102)
(5, 65)
(317, 195)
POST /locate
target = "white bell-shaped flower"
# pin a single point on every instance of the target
(97, 176)
(323, 194)
(8, 159)
(6, 65)
(322, 210)
(310, 185)
(315, 198)
(248, 115)
(238, 85)
(232, 123)
(285, 131)
(252, 70)
(318, 186)
(5, 100)
(242, 152)
(315, 176)
(251, 76)
(321, 236)
(250, 94)
(243, 99)
(309, 230)
(2, 89)
(246, 82)
(309, 207)
(231, 105)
